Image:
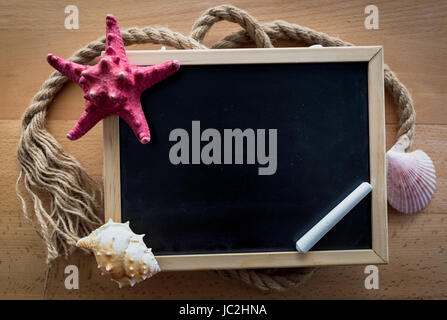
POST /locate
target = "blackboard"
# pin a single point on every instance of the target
(321, 115)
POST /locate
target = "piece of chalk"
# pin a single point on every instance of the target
(306, 242)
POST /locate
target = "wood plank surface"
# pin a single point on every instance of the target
(413, 34)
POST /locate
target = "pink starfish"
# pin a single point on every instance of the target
(113, 86)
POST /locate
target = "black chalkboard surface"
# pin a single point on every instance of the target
(320, 112)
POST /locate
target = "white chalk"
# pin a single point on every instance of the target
(306, 242)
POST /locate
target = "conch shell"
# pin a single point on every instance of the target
(411, 178)
(121, 254)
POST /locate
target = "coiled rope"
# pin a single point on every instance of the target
(75, 200)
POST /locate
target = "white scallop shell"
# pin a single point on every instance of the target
(121, 254)
(411, 178)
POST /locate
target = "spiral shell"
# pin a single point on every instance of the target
(120, 253)
(411, 178)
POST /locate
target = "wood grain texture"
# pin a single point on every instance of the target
(413, 34)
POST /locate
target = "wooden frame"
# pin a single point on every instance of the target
(373, 55)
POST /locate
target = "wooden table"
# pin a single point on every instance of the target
(413, 34)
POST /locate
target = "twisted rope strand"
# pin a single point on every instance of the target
(402, 97)
(75, 208)
(282, 30)
(269, 279)
(231, 14)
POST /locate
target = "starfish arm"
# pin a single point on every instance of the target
(68, 68)
(89, 118)
(148, 76)
(135, 118)
(114, 41)
(113, 85)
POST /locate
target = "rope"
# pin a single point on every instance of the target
(231, 14)
(269, 279)
(47, 170)
(75, 208)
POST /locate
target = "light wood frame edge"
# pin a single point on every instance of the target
(243, 56)
(111, 170)
(377, 152)
(379, 252)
